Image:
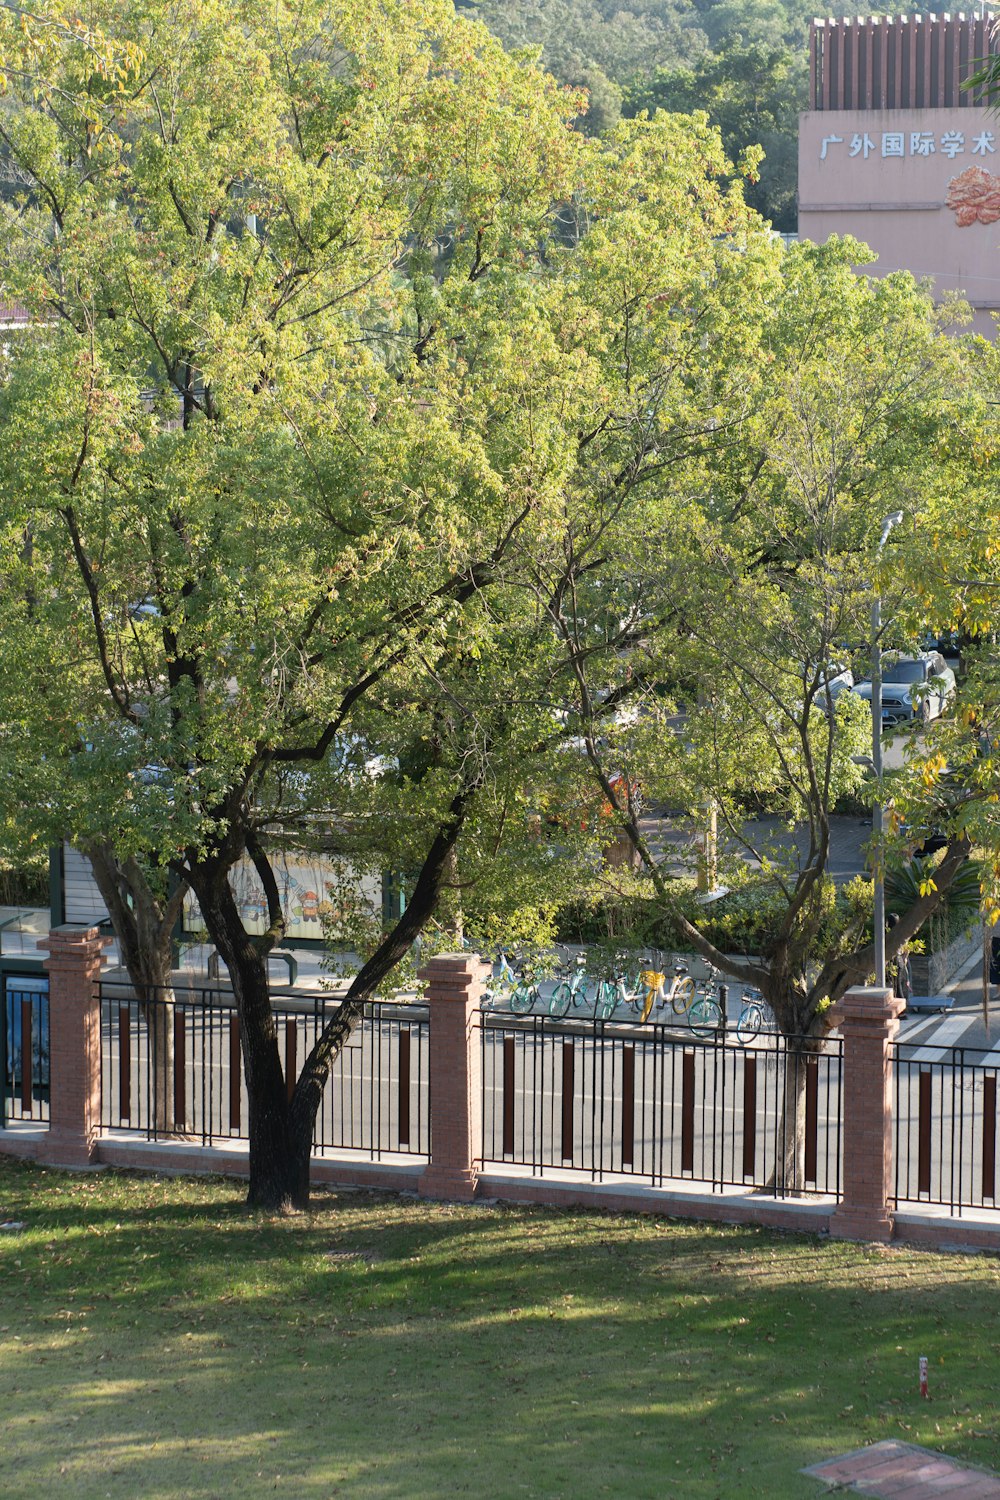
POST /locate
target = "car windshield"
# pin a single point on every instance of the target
(905, 671)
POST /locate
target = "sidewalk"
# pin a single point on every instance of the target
(902, 1471)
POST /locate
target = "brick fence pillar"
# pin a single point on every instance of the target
(74, 968)
(869, 1020)
(454, 989)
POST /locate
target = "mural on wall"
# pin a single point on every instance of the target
(305, 883)
(975, 197)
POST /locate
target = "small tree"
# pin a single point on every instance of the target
(755, 587)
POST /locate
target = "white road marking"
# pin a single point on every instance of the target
(947, 1035)
(914, 1024)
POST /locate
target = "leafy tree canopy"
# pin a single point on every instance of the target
(754, 94)
(350, 360)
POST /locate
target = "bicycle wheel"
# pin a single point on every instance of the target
(749, 1024)
(562, 998)
(681, 995)
(607, 999)
(522, 998)
(704, 1017)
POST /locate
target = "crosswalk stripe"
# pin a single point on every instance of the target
(909, 1030)
(947, 1035)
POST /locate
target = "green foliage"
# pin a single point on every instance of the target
(250, 492)
(753, 93)
(25, 885)
(962, 898)
(334, 422)
(481, 1315)
(634, 917)
(629, 916)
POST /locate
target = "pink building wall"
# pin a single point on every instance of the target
(920, 187)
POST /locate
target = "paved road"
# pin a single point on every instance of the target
(671, 838)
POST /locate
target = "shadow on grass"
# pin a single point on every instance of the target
(168, 1343)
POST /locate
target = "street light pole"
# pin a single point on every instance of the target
(878, 828)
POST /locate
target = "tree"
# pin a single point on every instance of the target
(752, 585)
(754, 94)
(273, 273)
(324, 424)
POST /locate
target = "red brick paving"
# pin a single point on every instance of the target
(901, 1471)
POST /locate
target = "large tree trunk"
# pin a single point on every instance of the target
(144, 926)
(283, 1112)
(790, 1135)
(787, 995)
(279, 1171)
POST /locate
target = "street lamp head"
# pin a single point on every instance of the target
(890, 521)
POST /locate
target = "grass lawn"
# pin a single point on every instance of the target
(158, 1341)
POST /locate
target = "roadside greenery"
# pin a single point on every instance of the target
(626, 914)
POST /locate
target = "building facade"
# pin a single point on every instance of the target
(896, 153)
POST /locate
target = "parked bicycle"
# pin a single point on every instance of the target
(678, 996)
(705, 1013)
(517, 990)
(526, 993)
(685, 992)
(501, 984)
(755, 1016)
(706, 1016)
(571, 990)
(617, 992)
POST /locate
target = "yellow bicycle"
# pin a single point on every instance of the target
(679, 995)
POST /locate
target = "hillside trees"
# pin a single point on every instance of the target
(753, 94)
(350, 360)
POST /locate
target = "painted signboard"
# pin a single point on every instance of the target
(307, 887)
(921, 187)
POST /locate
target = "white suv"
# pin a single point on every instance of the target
(913, 687)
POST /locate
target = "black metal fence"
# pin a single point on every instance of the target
(945, 1107)
(643, 1102)
(25, 1043)
(172, 1067)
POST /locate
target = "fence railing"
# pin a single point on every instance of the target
(945, 1109)
(172, 1066)
(25, 1043)
(613, 1100)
